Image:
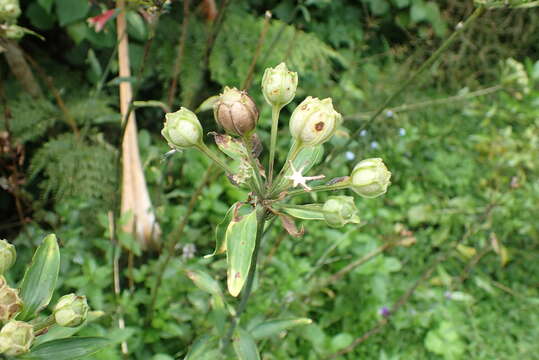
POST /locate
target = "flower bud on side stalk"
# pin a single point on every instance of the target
(314, 121)
(8, 255)
(182, 129)
(340, 210)
(16, 337)
(370, 178)
(71, 310)
(279, 85)
(236, 112)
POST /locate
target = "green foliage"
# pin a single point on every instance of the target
(76, 167)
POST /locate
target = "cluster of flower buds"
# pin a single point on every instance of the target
(515, 77)
(71, 310)
(312, 123)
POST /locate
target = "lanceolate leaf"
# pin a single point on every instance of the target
(40, 278)
(220, 232)
(67, 349)
(305, 212)
(274, 327)
(204, 348)
(204, 281)
(240, 244)
(245, 346)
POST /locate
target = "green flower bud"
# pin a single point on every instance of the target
(9, 10)
(8, 255)
(340, 210)
(370, 178)
(236, 112)
(71, 310)
(16, 337)
(10, 302)
(279, 85)
(314, 121)
(182, 129)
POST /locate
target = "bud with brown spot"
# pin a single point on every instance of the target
(236, 112)
(314, 121)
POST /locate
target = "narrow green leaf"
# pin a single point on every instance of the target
(220, 232)
(204, 348)
(245, 346)
(67, 349)
(240, 244)
(204, 281)
(305, 212)
(71, 11)
(40, 278)
(274, 327)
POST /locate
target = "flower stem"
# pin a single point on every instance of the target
(338, 186)
(261, 220)
(275, 110)
(297, 146)
(209, 153)
(259, 183)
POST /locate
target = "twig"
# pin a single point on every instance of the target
(116, 278)
(216, 27)
(261, 39)
(50, 84)
(179, 56)
(396, 306)
(427, 64)
(173, 239)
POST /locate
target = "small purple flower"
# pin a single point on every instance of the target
(350, 155)
(188, 251)
(363, 133)
(389, 114)
(402, 131)
(384, 311)
(375, 145)
(448, 295)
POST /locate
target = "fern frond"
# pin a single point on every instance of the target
(74, 167)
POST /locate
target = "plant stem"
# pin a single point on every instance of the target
(338, 186)
(275, 110)
(209, 153)
(259, 184)
(261, 39)
(49, 321)
(261, 220)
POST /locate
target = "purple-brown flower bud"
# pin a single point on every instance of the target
(236, 112)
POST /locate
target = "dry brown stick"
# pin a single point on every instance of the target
(214, 32)
(179, 56)
(57, 97)
(400, 302)
(261, 40)
(15, 59)
(135, 196)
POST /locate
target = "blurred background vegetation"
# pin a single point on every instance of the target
(444, 266)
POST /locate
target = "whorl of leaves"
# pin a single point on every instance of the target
(76, 167)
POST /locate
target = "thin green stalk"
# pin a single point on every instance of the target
(209, 153)
(261, 220)
(275, 110)
(259, 183)
(292, 154)
(48, 322)
(433, 58)
(338, 186)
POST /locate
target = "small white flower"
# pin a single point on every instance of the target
(375, 145)
(363, 133)
(402, 131)
(350, 155)
(298, 179)
(389, 114)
